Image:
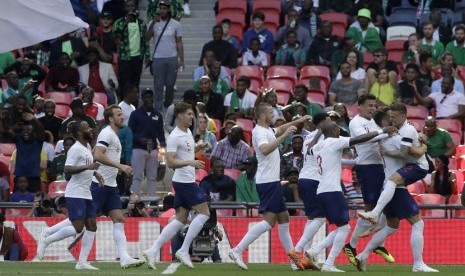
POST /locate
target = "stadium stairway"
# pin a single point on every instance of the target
(196, 30)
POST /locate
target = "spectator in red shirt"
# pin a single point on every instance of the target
(11, 242)
(92, 109)
(62, 77)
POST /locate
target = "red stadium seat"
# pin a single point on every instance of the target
(267, 5)
(200, 174)
(101, 98)
(456, 137)
(317, 98)
(207, 162)
(352, 110)
(459, 150)
(322, 72)
(335, 17)
(417, 112)
(282, 72)
(60, 97)
(233, 173)
(247, 136)
(451, 125)
(456, 200)
(236, 6)
(396, 55)
(57, 188)
(235, 17)
(416, 188)
(62, 111)
(322, 84)
(281, 85)
(452, 163)
(431, 199)
(459, 180)
(339, 30)
(367, 58)
(396, 44)
(245, 124)
(252, 71)
(271, 21)
(7, 149)
(4, 166)
(283, 98)
(417, 123)
(16, 212)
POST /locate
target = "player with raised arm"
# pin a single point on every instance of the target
(370, 173)
(81, 208)
(180, 155)
(107, 152)
(402, 205)
(328, 154)
(266, 141)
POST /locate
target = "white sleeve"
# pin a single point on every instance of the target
(356, 128)
(103, 139)
(172, 144)
(245, 59)
(100, 110)
(461, 100)
(72, 157)
(265, 60)
(227, 100)
(260, 138)
(342, 143)
(408, 137)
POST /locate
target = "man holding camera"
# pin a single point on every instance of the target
(136, 208)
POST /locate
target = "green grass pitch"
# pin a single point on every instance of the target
(210, 269)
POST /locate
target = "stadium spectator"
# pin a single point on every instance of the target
(22, 194)
(6, 59)
(439, 140)
(294, 158)
(131, 95)
(335, 117)
(429, 43)
(78, 114)
(211, 125)
(344, 119)
(303, 35)
(342, 54)
(204, 137)
(101, 38)
(5, 185)
(226, 25)
(246, 188)
(15, 89)
(218, 84)
(49, 121)
(457, 46)
(309, 19)
(380, 61)
(364, 32)
(426, 73)
(208, 59)
(168, 54)
(412, 51)
(56, 171)
(28, 70)
(39, 54)
(98, 75)
(384, 88)
(12, 247)
(74, 48)
(126, 139)
(300, 96)
(347, 89)
(323, 46)
(219, 186)
(227, 126)
(290, 192)
(38, 107)
(190, 97)
(449, 103)
(136, 208)
(258, 30)
(411, 81)
(300, 131)
(175, 8)
(147, 127)
(92, 108)
(241, 101)
(232, 150)
(42, 207)
(356, 70)
(62, 77)
(132, 45)
(115, 7)
(375, 8)
(211, 99)
(255, 56)
(443, 181)
(291, 53)
(224, 51)
(353, 191)
(447, 71)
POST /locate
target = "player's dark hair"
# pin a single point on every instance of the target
(362, 99)
(181, 107)
(398, 107)
(108, 113)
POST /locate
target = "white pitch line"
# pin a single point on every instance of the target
(171, 268)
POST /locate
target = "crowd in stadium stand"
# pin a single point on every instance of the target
(300, 56)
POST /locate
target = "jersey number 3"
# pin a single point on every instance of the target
(319, 160)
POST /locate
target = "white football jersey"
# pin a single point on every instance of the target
(310, 167)
(79, 184)
(183, 144)
(368, 152)
(108, 139)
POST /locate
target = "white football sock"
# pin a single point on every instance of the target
(285, 236)
(376, 240)
(86, 246)
(361, 226)
(166, 234)
(382, 222)
(194, 229)
(253, 234)
(63, 233)
(53, 229)
(338, 244)
(417, 242)
(311, 228)
(385, 197)
(119, 237)
(325, 243)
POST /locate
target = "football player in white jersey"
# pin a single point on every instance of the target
(107, 152)
(266, 141)
(81, 208)
(402, 206)
(328, 154)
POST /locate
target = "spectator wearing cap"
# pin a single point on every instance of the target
(218, 84)
(293, 158)
(224, 51)
(168, 55)
(232, 150)
(100, 76)
(191, 97)
(102, 38)
(241, 101)
(258, 30)
(364, 32)
(335, 117)
(132, 45)
(78, 115)
(147, 128)
(131, 95)
(62, 77)
(175, 8)
(246, 188)
(375, 8)
(212, 100)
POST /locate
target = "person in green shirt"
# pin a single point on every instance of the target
(246, 188)
(364, 32)
(218, 85)
(457, 46)
(439, 140)
(6, 59)
(428, 43)
(16, 88)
